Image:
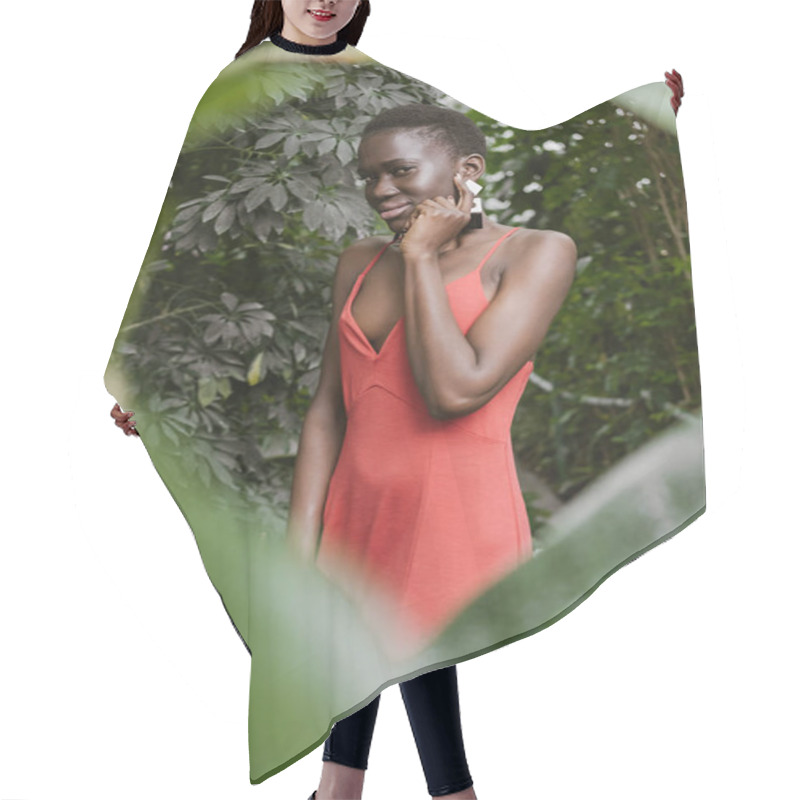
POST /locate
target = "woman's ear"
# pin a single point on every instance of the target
(472, 167)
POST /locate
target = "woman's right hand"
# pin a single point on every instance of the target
(122, 419)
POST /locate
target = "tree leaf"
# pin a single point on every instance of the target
(230, 301)
(279, 197)
(344, 152)
(256, 371)
(257, 196)
(225, 219)
(206, 391)
(214, 209)
(268, 140)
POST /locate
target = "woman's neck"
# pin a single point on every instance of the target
(279, 40)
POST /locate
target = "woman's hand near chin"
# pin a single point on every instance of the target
(437, 221)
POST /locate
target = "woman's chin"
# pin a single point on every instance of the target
(399, 225)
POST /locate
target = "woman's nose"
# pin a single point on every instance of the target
(384, 187)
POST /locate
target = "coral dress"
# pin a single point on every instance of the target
(426, 513)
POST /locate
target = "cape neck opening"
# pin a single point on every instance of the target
(308, 49)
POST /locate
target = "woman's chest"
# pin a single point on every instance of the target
(379, 302)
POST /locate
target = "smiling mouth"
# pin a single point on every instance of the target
(323, 16)
(394, 211)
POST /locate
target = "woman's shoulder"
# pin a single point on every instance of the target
(358, 255)
(538, 251)
(367, 246)
(543, 238)
(355, 258)
(534, 243)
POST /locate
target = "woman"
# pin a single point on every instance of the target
(415, 163)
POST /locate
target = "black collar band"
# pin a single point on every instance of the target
(308, 49)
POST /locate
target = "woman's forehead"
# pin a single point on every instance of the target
(399, 143)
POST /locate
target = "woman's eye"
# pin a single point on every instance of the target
(397, 172)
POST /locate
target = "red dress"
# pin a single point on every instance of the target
(423, 514)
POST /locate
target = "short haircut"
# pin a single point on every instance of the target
(454, 131)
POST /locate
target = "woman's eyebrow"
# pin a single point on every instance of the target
(389, 164)
(394, 161)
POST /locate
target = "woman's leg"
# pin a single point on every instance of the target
(433, 710)
(346, 753)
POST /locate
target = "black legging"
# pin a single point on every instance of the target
(431, 701)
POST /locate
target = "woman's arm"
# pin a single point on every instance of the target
(317, 453)
(324, 425)
(458, 374)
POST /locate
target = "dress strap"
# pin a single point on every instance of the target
(494, 247)
(373, 262)
(477, 269)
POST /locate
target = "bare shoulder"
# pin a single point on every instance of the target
(363, 251)
(353, 260)
(541, 255)
(534, 246)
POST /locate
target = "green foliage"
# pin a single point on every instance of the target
(222, 340)
(626, 332)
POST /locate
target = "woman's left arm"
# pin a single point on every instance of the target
(457, 373)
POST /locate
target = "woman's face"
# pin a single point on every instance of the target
(400, 169)
(316, 21)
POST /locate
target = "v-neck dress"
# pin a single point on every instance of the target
(424, 513)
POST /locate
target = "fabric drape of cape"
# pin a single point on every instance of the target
(219, 350)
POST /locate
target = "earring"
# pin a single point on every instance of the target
(476, 212)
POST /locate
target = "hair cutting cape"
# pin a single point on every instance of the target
(219, 351)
